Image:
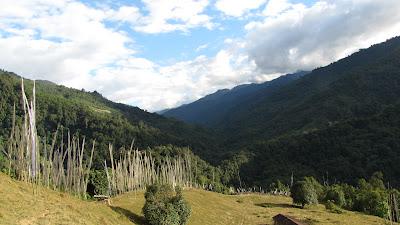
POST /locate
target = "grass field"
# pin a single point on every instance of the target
(19, 206)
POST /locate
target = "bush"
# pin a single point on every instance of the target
(350, 194)
(279, 186)
(303, 193)
(165, 207)
(329, 205)
(373, 202)
(319, 189)
(98, 183)
(335, 194)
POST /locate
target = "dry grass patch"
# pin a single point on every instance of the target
(18, 205)
(213, 208)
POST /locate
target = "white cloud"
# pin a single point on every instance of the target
(237, 8)
(293, 37)
(166, 16)
(154, 87)
(68, 42)
(276, 7)
(58, 40)
(201, 47)
(130, 14)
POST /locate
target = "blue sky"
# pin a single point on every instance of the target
(159, 54)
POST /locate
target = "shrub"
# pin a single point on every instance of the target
(303, 193)
(164, 206)
(332, 207)
(350, 194)
(278, 185)
(373, 202)
(319, 189)
(98, 183)
(335, 194)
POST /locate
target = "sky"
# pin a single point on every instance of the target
(158, 54)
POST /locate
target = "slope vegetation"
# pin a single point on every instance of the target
(19, 206)
(360, 85)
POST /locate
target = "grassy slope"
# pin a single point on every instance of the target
(19, 206)
(213, 208)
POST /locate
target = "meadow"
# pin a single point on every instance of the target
(18, 205)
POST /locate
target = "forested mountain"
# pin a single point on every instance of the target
(339, 122)
(360, 85)
(212, 109)
(96, 118)
(341, 152)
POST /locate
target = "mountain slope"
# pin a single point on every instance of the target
(342, 152)
(96, 118)
(212, 109)
(338, 122)
(360, 85)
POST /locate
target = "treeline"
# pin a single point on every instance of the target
(368, 196)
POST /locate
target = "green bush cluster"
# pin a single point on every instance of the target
(304, 193)
(164, 206)
(98, 183)
(329, 205)
(335, 195)
(370, 197)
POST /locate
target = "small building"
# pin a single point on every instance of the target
(285, 220)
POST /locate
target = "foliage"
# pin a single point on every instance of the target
(165, 207)
(98, 183)
(372, 198)
(345, 151)
(279, 186)
(332, 207)
(350, 194)
(319, 189)
(335, 194)
(303, 193)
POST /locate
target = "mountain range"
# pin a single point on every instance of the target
(293, 126)
(338, 123)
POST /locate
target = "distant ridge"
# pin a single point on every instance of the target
(213, 108)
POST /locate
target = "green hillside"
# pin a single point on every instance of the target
(212, 109)
(96, 118)
(18, 205)
(339, 122)
(360, 85)
(341, 152)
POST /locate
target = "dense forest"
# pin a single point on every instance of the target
(336, 122)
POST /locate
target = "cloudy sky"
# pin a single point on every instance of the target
(159, 54)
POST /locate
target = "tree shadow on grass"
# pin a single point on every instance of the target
(276, 205)
(137, 219)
